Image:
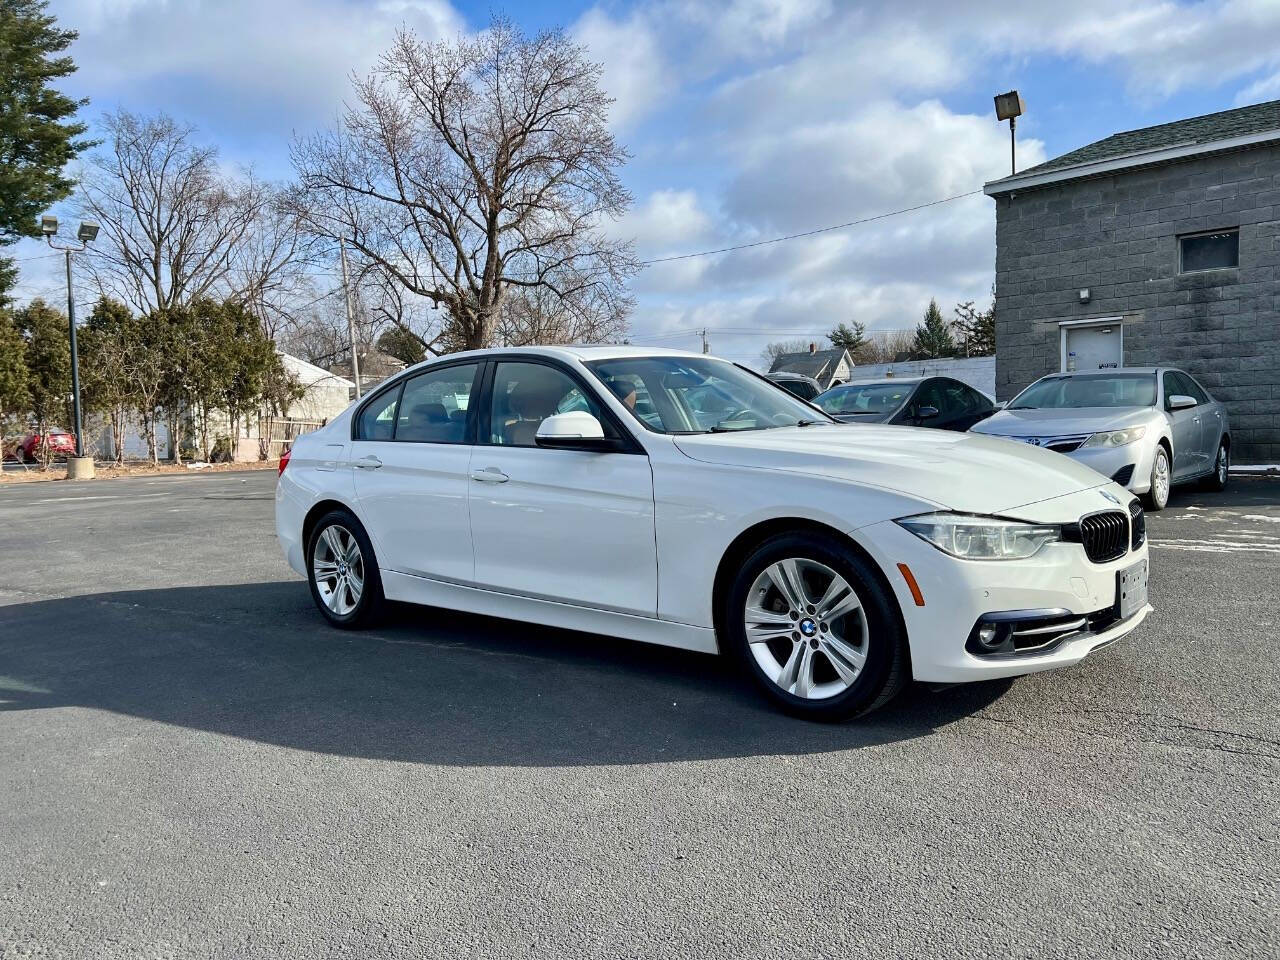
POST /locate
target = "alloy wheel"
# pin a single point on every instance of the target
(1160, 478)
(1224, 464)
(806, 628)
(337, 566)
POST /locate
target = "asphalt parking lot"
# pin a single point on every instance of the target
(193, 765)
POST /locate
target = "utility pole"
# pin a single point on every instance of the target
(351, 323)
(706, 347)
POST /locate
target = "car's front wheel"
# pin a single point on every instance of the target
(1158, 496)
(343, 572)
(814, 627)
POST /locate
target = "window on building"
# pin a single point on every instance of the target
(1210, 251)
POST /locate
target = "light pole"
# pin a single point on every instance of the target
(1009, 106)
(87, 233)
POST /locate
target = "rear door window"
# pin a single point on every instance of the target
(434, 406)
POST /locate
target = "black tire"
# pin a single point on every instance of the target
(1217, 481)
(886, 668)
(369, 606)
(1154, 501)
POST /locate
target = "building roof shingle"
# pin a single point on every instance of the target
(810, 364)
(1224, 125)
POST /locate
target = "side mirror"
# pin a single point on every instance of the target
(575, 430)
(926, 413)
(1180, 401)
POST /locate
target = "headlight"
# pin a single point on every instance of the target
(981, 538)
(1115, 438)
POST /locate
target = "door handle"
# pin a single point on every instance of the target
(1195, 419)
(367, 463)
(489, 475)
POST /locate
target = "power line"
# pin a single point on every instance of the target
(811, 233)
(43, 256)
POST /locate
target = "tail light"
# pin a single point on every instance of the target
(284, 459)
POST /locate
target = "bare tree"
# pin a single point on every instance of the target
(535, 315)
(175, 228)
(470, 169)
(777, 348)
(271, 271)
(884, 346)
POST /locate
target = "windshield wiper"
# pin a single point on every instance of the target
(810, 423)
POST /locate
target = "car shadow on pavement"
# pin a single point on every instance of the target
(257, 661)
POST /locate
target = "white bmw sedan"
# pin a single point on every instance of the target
(683, 500)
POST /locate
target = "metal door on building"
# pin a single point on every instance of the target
(1093, 346)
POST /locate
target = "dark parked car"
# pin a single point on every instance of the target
(60, 443)
(797, 384)
(940, 402)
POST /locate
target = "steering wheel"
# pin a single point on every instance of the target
(742, 413)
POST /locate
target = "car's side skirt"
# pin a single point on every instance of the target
(453, 596)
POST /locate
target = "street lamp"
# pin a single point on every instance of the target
(87, 233)
(1009, 106)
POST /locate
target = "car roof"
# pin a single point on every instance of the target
(868, 382)
(786, 375)
(1106, 371)
(584, 352)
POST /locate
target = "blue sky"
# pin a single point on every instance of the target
(746, 119)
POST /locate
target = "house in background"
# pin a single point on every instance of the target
(375, 366)
(324, 396)
(1158, 246)
(828, 367)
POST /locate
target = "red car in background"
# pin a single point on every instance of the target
(61, 444)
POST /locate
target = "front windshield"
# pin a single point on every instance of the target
(1090, 390)
(699, 395)
(867, 399)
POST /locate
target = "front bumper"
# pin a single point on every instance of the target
(1109, 461)
(957, 593)
(1134, 459)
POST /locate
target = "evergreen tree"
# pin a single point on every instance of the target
(13, 371)
(109, 347)
(933, 335)
(37, 136)
(48, 361)
(849, 336)
(976, 329)
(402, 344)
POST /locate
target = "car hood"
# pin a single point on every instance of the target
(959, 471)
(1078, 420)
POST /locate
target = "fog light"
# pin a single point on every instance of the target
(988, 638)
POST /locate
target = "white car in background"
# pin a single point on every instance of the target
(682, 500)
(1147, 428)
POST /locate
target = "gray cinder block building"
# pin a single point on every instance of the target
(1155, 246)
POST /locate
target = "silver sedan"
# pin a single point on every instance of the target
(1147, 428)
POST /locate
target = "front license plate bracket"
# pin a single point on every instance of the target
(1131, 589)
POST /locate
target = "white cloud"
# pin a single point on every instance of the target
(886, 156)
(242, 67)
(635, 73)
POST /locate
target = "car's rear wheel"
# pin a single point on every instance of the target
(1221, 468)
(1158, 496)
(812, 624)
(343, 571)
